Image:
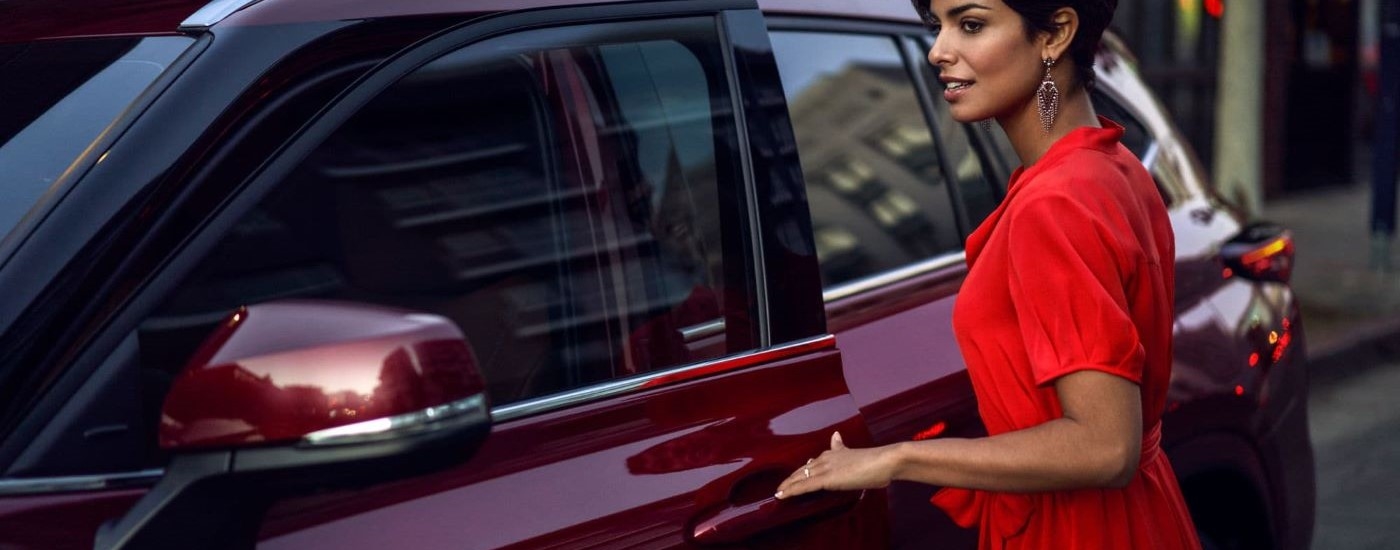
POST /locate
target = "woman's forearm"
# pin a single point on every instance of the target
(1095, 443)
(1056, 455)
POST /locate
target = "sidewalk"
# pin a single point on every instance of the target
(1351, 313)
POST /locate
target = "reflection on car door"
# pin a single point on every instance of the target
(581, 218)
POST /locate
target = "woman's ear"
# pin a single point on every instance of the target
(1066, 22)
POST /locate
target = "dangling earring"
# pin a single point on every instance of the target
(1047, 98)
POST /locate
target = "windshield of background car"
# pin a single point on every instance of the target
(57, 98)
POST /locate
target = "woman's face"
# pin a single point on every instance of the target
(989, 67)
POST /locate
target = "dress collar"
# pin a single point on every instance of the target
(1084, 137)
(1103, 139)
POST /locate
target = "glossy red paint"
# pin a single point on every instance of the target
(866, 9)
(642, 470)
(737, 524)
(906, 373)
(26, 20)
(301, 11)
(647, 468)
(827, 342)
(900, 356)
(59, 521)
(933, 431)
(280, 370)
(314, 10)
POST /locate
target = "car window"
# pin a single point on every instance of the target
(1135, 135)
(875, 181)
(1166, 173)
(56, 97)
(563, 205)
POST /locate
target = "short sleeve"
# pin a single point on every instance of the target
(1070, 295)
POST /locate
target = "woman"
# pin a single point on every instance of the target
(1065, 316)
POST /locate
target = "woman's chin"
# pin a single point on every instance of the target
(965, 116)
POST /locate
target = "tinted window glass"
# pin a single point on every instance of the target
(57, 97)
(1135, 136)
(875, 181)
(563, 205)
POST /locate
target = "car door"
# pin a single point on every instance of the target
(593, 197)
(895, 185)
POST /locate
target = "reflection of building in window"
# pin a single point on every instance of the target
(853, 179)
(571, 228)
(894, 208)
(837, 249)
(872, 172)
(902, 139)
(912, 147)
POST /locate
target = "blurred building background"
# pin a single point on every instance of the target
(1318, 61)
(1293, 106)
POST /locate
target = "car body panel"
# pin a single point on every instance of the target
(680, 451)
(647, 466)
(27, 20)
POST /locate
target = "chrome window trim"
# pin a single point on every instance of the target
(1150, 155)
(471, 410)
(212, 13)
(580, 396)
(72, 484)
(871, 282)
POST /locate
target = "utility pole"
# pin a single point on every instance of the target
(1239, 111)
(1387, 141)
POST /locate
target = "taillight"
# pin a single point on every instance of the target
(1262, 252)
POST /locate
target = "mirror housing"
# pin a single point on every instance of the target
(1260, 252)
(299, 395)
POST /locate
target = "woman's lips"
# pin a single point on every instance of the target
(954, 90)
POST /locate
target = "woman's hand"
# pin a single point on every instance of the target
(841, 469)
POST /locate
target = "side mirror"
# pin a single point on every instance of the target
(301, 395)
(1260, 252)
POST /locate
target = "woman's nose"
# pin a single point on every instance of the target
(938, 54)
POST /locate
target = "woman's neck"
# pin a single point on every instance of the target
(1029, 139)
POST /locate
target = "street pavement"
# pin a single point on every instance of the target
(1353, 422)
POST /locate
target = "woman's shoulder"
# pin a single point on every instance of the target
(1090, 177)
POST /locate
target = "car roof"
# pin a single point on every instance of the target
(29, 20)
(889, 10)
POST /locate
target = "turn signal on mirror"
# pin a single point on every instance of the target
(1261, 252)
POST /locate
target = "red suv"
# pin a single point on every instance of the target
(490, 273)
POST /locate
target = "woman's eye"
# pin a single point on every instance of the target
(971, 27)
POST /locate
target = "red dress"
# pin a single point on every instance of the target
(1074, 271)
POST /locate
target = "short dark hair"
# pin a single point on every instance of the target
(1094, 17)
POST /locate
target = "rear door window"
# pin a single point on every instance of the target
(1135, 135)
(876, 182)
(57, 97)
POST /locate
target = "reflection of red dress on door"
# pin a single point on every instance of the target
(1073, 271)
